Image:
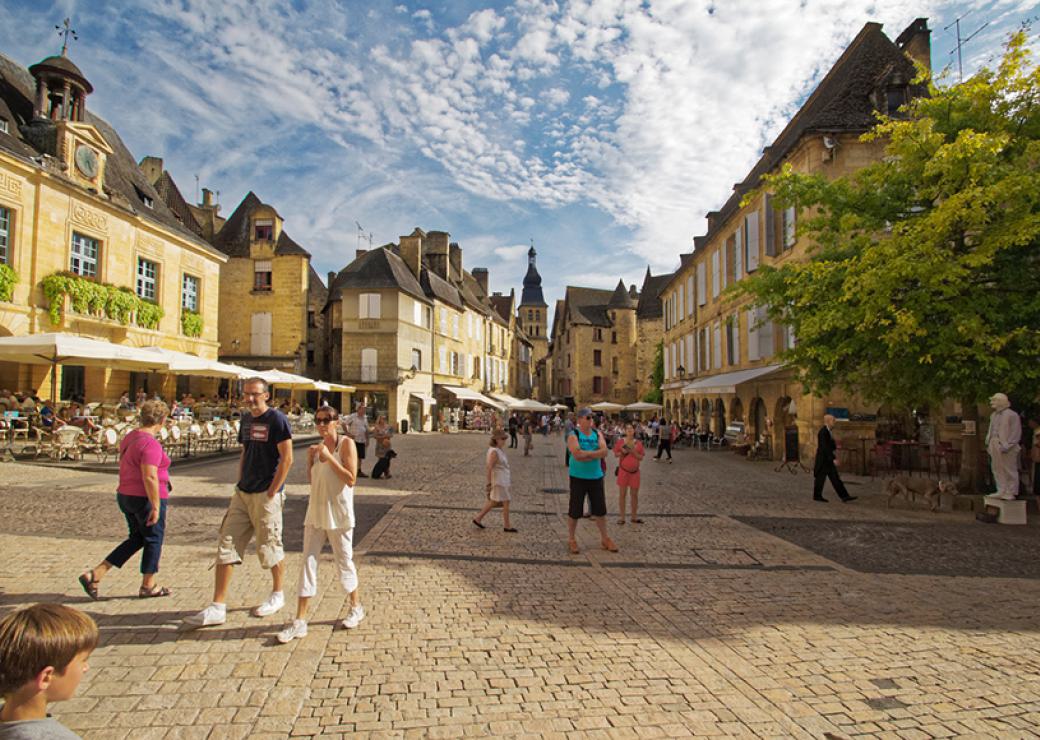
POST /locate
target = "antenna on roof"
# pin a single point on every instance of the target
(196, 188)
(65, 30)
(360, 231)
(961, 42)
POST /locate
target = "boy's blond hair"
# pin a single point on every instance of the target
(39, 636)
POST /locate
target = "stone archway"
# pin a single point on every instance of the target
(705, 419)
(782, 418)
(757, 418)
(719, 417)
(736, 409)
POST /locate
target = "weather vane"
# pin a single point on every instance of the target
(65, 30)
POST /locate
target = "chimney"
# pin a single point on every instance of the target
(480, 274)
(455, 261)
(359, 253)
(916, 42)
(207, 198)
(152, 168)
(332, 276)
(436, 248)
(713, 217)
(411, 252)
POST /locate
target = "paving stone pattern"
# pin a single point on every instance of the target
(738, 608)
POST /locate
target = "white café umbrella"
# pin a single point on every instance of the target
(529, 405)
(56, 348)
(560, 407)
(643, 406)
(182, 363)
(329, 387)
(279, 377)
(606, 406)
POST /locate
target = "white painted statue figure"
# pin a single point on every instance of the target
(1002, 442)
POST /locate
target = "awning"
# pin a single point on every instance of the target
(465, 394)
(425, 398)
(505, 398)
(726, 382)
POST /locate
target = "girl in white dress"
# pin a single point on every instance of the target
(498, 481)
(332, 471)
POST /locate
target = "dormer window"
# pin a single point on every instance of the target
(263, 230)
(895, 98)
(146, 200)
(3, 126)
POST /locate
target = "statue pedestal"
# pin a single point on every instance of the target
(1009, 512)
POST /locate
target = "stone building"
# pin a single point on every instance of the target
(415, 333)
(521, 369)
(265, 288)
(721, 354)
(604, 343)
(78, 217)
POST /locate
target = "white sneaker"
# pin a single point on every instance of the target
(274, 603)
(211, 615)
(298, 628)
(353, 619)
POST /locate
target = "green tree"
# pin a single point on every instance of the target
(924, 279)
(654, 395)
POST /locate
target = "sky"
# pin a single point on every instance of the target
(601, 130)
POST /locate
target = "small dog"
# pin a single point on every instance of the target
(382, 467)
(910, 488)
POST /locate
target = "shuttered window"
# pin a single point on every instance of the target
(260, 334)
(370, 306)
(702, 285)
(369, 365)
(751, 245)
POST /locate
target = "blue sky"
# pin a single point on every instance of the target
(604, 130)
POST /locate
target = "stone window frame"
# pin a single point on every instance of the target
(79, 259)
(7, 219)
(185, 293)
(147, 285)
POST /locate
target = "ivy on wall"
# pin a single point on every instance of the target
(98, 299)
(8, 278)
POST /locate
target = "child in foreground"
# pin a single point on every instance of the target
(43, 656)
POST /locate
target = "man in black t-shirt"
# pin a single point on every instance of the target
(256, 504)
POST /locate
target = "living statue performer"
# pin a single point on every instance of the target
(1002, 442)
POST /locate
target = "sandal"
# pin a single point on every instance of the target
(145, 593)
(621, 522)
(509, 529)
(478, 524)
(637, 521)
(609, 546)
(573, 545)
(89, 584)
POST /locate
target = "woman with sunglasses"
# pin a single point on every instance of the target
(332, 466)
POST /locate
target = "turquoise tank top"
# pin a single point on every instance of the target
(587, 469)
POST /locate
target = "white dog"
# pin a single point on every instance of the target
(910, 488)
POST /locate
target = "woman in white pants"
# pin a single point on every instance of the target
(332, 470)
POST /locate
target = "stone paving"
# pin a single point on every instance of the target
(739, 608)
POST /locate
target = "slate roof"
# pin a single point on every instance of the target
(841, 103)
(621, 297)
(503, 305)
(377, 268)
(172, 197)
(316, 286)
(233, 238)
(125, 183)
(649, 306)
(588, 306)
(436, 287)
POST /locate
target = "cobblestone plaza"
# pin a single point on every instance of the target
(739, 608)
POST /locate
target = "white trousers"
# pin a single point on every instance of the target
(1005, 471)
(342, 541)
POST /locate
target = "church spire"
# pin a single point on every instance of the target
(532, 293)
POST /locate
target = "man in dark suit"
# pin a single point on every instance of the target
(824, 466)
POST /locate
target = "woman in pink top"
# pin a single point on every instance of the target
(629, 452)
(144, 486)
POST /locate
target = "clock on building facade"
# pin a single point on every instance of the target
(86, 161)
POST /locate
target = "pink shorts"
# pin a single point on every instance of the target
(626, 479)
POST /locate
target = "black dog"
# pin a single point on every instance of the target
(382, 468)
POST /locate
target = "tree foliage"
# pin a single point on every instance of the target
(655, 395)
(924, 279)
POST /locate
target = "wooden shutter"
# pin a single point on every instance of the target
(752, 335)
(765, 335)
(702, 285)
(770, 227)
(751, 241)
(715, 274)
(260, 334)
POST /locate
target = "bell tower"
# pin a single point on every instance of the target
(60, 117)
(533, 313)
